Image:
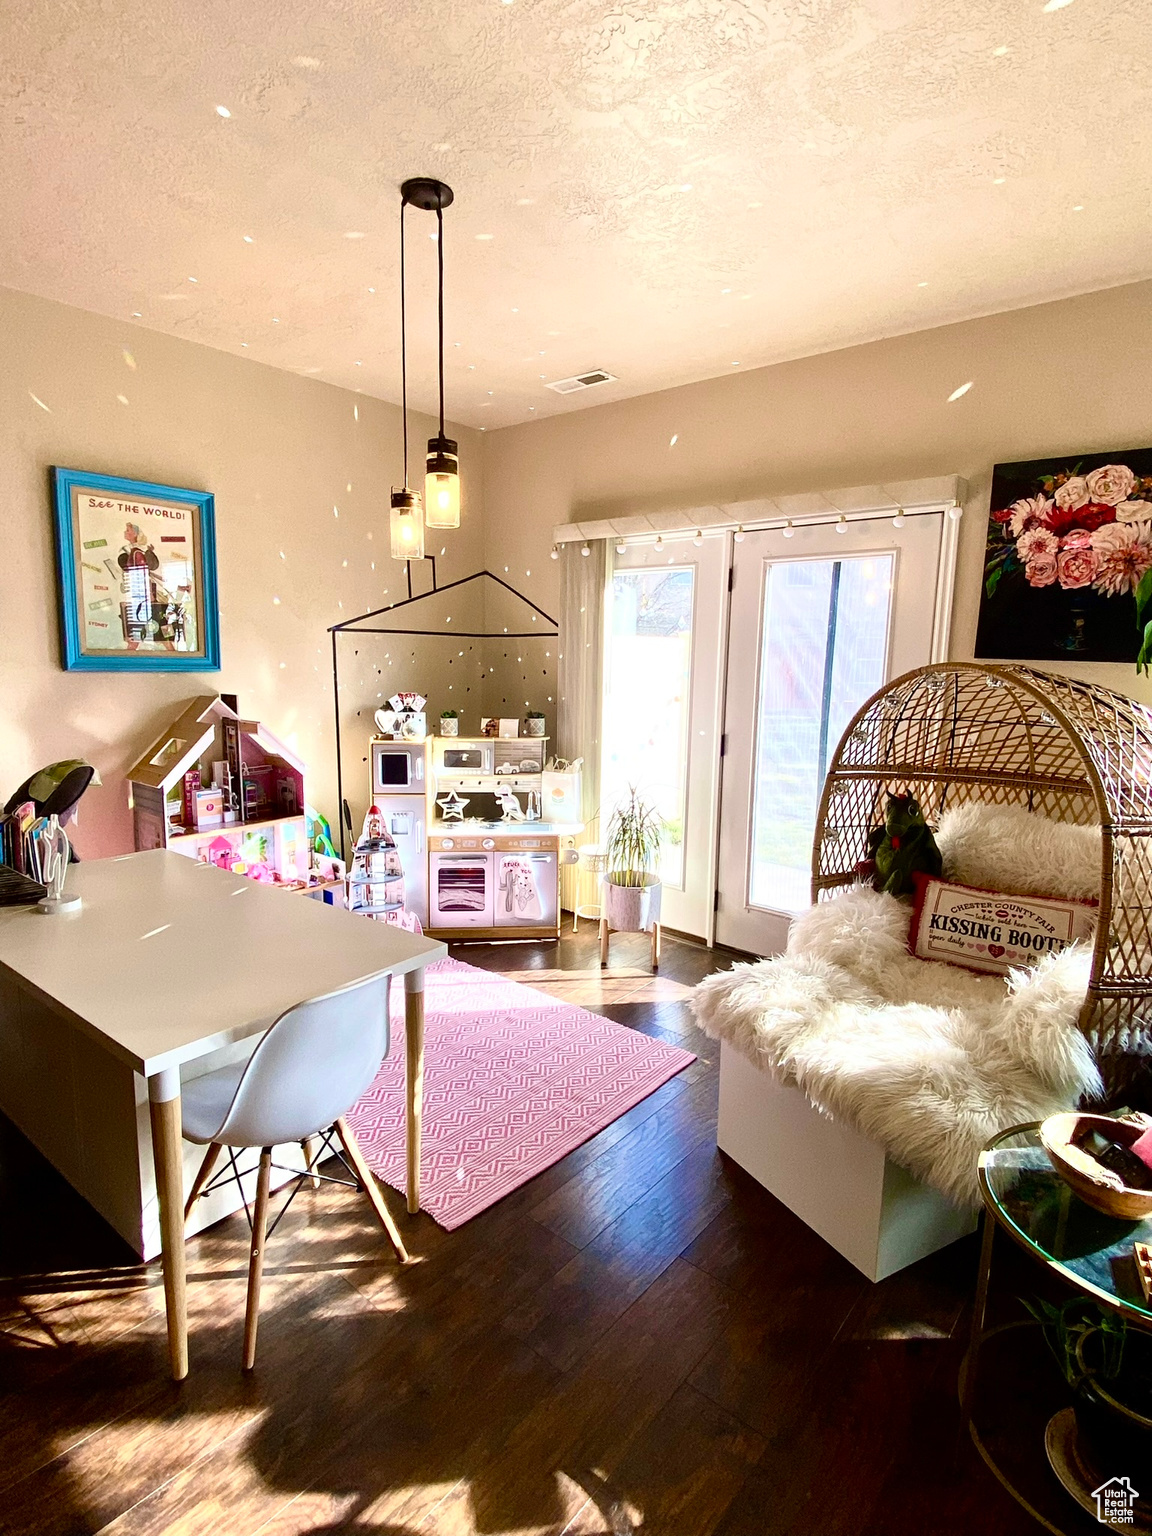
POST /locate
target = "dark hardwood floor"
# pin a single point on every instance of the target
(641, 1339)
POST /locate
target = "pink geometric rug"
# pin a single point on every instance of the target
(513, 1080)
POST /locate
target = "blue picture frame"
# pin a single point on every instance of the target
(155, 614)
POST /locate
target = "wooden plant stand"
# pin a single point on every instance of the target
(605, 931)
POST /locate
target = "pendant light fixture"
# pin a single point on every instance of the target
(406, 517)
(442, 467)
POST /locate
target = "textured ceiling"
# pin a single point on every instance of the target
(668, 189)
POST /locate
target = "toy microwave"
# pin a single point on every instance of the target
(397, 768)
(456, 759)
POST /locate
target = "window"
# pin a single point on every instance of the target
(646, 696)
(823, 652)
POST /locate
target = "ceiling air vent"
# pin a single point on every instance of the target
(587, 380)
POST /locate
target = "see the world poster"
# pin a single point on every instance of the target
(137, 574)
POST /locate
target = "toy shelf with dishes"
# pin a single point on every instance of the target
(226, 791)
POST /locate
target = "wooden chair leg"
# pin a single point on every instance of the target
(371, 1188)
(256, 1262)
(310, 1146)
(603, 942)
(655, 946)
(202, 1177)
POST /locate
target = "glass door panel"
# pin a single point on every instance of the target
(647, 687)
(816, 624)
(662, 705)
(824, 645)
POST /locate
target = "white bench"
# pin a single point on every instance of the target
(841, 1184)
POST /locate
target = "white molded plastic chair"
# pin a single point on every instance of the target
(308, 1070)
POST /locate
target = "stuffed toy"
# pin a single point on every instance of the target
(902, 847)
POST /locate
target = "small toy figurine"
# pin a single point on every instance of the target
(509, 805)
(902, 847)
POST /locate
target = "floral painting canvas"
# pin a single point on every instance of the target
(1068, 542)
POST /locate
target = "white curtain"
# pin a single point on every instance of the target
(583, 586)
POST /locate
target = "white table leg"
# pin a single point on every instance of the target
(167, 1154)
(414, 1078)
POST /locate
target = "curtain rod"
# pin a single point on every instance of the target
(932, 493)
(895, 514)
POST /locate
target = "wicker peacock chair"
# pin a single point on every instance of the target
(1014, 736)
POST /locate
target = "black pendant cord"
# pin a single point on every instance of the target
(440, 298)
(403, 345)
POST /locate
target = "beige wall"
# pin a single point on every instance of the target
(279, 452)
(1055, 378)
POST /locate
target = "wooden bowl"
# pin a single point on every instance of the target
(1098, 1187)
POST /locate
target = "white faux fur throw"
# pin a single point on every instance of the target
(929, 1060)
(1007, 849)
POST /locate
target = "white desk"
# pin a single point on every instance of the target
(169, 962)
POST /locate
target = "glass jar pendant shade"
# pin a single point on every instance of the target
(442, 484)
(406, 525)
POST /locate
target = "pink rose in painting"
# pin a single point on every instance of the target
(1110, 483)
(1077, 566)
(1029, 511)
(1036, 541)
(1079, 538)
(1134, 512)
(1041, 571)
(1073, 493)
(1124, 552)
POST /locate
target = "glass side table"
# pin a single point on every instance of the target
(1092, 1253)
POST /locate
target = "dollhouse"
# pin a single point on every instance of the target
(224, 790)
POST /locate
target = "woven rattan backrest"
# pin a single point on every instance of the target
(1067, 750)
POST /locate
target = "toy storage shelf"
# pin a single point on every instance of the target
(231, 826)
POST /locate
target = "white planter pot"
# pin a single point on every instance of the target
(632, 908)
(449, 727)
(534, 727)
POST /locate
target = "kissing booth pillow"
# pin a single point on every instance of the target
(985, 931)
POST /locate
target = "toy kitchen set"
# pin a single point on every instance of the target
(482, 823)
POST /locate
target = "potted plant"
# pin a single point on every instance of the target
(534, 723)
(449, 723)
(631, 885)
(1108, 1366)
